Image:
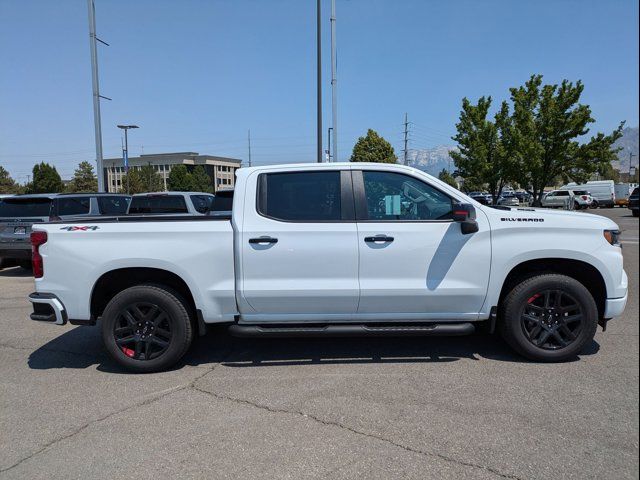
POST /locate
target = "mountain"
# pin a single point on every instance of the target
(629, 144)
(432, 160)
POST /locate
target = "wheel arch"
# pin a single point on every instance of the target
(583, 272)
(115, 281)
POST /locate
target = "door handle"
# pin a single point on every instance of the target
(378, 238)
(263, 240)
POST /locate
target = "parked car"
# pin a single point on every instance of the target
(171, 203)
(333, 249)
(601, 190)
(582, 200)
(559, 199)
(508, 200)
(633, 203)
(481, 197)
(19, 212)
(524, 198)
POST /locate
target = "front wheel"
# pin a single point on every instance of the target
(146, 328)
(549, 318)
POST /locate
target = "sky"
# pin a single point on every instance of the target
(196, 75)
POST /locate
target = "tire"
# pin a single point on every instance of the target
(594, 204)
(576, 206)
(146, 320)
(524, 321)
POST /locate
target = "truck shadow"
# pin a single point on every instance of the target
(82, 348)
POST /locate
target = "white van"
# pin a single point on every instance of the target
(602, 191)
(622, 191)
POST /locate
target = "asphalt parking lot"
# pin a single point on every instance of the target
(326, 408)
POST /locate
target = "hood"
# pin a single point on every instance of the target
(542, 217)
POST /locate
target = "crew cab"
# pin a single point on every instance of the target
(341, 249)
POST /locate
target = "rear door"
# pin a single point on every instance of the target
(415, 263)
(299, 247)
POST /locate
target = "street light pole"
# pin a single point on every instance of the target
(126, 128)
(319, 67)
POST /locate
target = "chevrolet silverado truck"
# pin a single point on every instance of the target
(351, 249)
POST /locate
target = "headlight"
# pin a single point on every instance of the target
(613, 237)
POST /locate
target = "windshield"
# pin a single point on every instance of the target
(18, 208)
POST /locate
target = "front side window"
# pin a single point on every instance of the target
(300, 197)
(73, 205)
(394, 196)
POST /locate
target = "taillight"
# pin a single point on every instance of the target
(584, 197)
(37, 239)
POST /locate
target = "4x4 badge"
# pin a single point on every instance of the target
(79, 229)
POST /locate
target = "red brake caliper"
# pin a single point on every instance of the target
(128, 352)
(534, 298)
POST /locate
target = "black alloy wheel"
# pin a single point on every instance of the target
(142, 331)
(552, 319)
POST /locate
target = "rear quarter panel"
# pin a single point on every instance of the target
(199, 252)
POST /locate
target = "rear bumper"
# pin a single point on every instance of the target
(47, 308)
(614, 307)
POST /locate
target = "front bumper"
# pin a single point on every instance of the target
(614, 307)
(47, 308)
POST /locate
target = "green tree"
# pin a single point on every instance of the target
(200, 181)
(547, 122)
(142, 180)
(46, 179)
(84, 179)
(485, 146)
(179, 179)
(373, 148)
(447, 178)
(7, 184)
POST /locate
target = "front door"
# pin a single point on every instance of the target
(414, 261)
(299, 247)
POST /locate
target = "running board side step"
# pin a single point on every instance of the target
(435, 329)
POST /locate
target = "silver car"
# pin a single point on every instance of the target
(559, 199)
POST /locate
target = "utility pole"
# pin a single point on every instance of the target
(249, 142)
(319, 80)
(328, 150)
(406, 139)
(96, 92)
(334, 81)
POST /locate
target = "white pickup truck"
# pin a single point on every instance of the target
(333, 249)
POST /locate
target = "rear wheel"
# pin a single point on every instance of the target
(549, 318)
(146, 328)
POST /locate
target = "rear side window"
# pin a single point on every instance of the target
(394, 196)
(113, 205)
(563, 194)
(158, 204)
(16, 208)
(72, 205)
(202, 203)
(300, 197)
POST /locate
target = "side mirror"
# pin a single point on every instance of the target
(465, 215)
